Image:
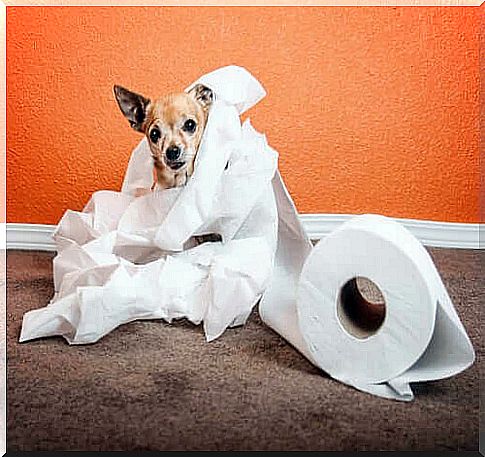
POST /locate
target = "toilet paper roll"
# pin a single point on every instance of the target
(415, 335)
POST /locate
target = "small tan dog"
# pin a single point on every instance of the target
(173, 125)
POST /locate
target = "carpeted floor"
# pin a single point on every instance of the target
(153, 386)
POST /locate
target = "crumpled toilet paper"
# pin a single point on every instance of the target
(124, 258)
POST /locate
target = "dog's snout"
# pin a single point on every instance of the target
(173, 152)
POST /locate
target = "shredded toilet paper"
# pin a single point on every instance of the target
(125, 258)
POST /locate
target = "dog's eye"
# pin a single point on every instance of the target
(189, 126)
(155, 135)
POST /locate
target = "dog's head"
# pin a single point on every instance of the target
(173, 125)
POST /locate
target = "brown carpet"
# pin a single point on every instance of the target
(154, 386)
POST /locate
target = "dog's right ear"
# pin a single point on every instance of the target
(133, 106)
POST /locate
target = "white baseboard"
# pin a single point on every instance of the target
(430, 233)
(32, 237)
(3, 236)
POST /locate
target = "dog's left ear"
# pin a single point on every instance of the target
(133, 106)
(202, 95)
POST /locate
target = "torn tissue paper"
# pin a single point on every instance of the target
(124, 258)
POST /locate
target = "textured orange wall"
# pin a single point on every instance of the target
(371, 109)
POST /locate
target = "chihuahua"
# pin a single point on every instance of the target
(173, 125)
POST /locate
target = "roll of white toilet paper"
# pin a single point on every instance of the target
(384, 252)
(315, 303)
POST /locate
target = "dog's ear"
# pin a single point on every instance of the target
(203, 95)
(133, 106)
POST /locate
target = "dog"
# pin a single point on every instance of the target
(173, 125)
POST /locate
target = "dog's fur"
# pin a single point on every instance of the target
(173, 125)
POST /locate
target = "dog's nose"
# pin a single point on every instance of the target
(173, 153)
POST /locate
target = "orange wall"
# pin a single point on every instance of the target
(371, 109)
